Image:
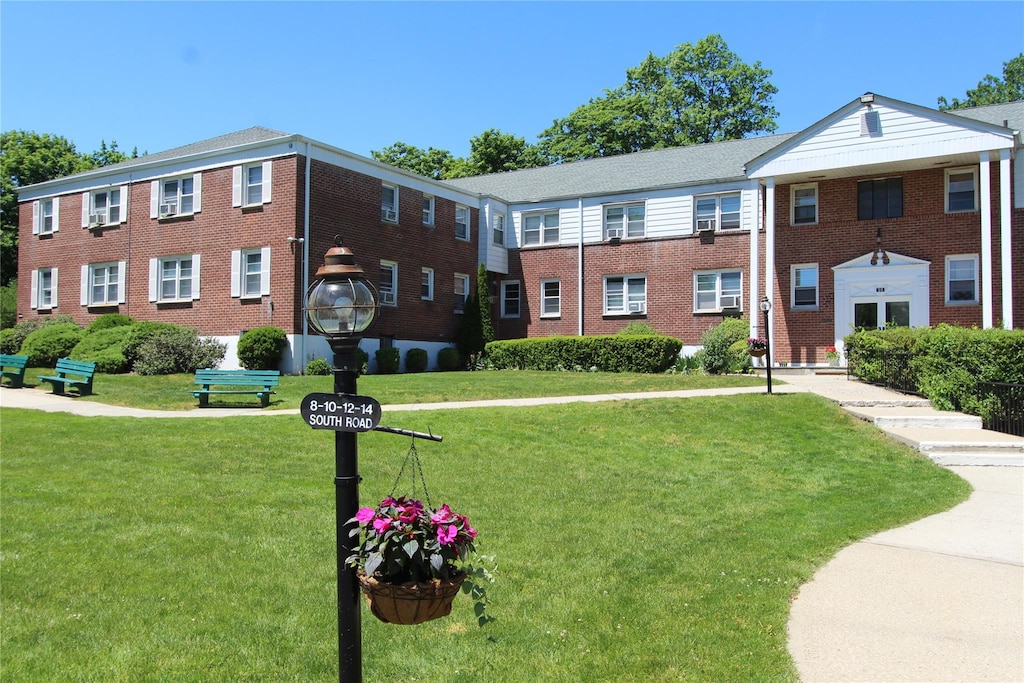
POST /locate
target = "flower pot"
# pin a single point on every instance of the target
(410, 603)
(757, 353)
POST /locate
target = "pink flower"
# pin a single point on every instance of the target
(381, 525)
(365, 515)
(447, 534)
(442, 515)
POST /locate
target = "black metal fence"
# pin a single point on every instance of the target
(1003, 407)
(890, 369)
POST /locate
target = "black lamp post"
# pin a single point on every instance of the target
(766, 306)
(341, 304)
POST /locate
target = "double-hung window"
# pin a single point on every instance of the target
(427, 284)
(179, 196)
(428, 210)
(46, 216)
(44, 288)
(388, 283)
(961, 190)
(499, 229)
(461, 291)
(174, 278)
(540, 228)
(717, 212)
(510, 295)
(625, 294)
(103, 283)
(881, 198)
(550, 298)
(461, 222)
(104, 207)
(250, 273)
(962, 279)
(389, 203)
(805, 285)
(717, 290)
(250, 184)
(803, 204)
(624, 221)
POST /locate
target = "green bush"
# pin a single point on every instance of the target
(7, 341)
(107, 321)
(415, 360)
(260, 348)
(388, 360)
(139, 334)
(49, 343)
(606, 353)
(638, 327)
(105, 348)
(449, 359)
(687, 365)
(318, 367)
(11, 343)
(722, 354)
(866, 351)
(177, 349)
(9, 305)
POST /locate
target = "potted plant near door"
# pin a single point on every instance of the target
(832, 355)
(757, 346)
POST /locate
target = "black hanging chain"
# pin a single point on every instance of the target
(412, 457)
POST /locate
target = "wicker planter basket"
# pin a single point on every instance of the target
(410, 603)
(757, 353)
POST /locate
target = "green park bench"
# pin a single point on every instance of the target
(17, 371)
(258, 382)
(71, 373)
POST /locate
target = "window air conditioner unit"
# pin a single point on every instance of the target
(732, 301)
(167, 210)
(706, 225)
(97, 219)
(387, 298)
(637, 307)
(388, 215)
(614, 233)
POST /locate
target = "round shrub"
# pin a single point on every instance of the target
(105, 348)
(47, 344)
(637, 327)
(27, 327)
(107, 321)
(8, 341)
(720, 356)
(318, 366)
(177, 349)
(139, 334)
(388, 360)
(416, 360)
(260, 348)
(448, 359)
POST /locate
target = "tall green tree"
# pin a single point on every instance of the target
(483, 297)
(992, 89)
(698, 93)
(490, 152)
(432, 163)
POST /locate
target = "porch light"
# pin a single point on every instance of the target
(341, 303)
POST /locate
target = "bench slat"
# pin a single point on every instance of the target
(17, 375)
(264, 379)
(83, 370)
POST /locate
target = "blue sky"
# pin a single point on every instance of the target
(156, 75)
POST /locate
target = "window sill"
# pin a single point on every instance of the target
(963, 303)
(624, 314)
(173, 302)
(252, 208)
(551, 316)
(719, 311)
(173, 217)
(804, 308)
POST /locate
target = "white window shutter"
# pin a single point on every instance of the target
(53, 287)
(197, 193)
(35, 218)
(56, 225)
(154, 200)
(236, 186)
(236, 273)
(34, 295)
(85, 210)
(124, 205)
(195, 276)
(265, 270)
(268, 167)
(154, 278)
(85, 285)
(122, 276)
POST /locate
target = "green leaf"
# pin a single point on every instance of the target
(373, 561)
(410, 548)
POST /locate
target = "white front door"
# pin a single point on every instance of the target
(877, 313)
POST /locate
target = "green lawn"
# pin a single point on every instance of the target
(657, 540)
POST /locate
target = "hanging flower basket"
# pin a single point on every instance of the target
(757, 353)
(410, 603)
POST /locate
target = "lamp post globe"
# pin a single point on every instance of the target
(341, 304)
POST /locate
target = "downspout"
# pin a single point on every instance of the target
(305, 264)
(579, 271)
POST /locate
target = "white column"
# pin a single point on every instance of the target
(986, 241)
(769, 259)
(1005, 257)
(752, 288)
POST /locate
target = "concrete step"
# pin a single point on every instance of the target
(963, 446)
(909, 402)
(915, 417)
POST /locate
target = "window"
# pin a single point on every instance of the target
(717, 290)
(461, 222)
(625, 295)
(550, 298)
(174, 278)
(540, 228)
(805, 285)
(428, 210)
(879, 198)
(499, 229)
(388, 283)
(510, 292)
(104, 207)
(720, 212)
(427, 284)
(103, 284)
(624, 221)
(250, 184)
(961, 189)
(250, 272)
(461, 291)
(45, 216)
(179, 196)
(804, 204)
(389, 203)
(44, 288)
(962, 279)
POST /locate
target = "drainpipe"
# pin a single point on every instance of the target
(305, 264)
(579, 271)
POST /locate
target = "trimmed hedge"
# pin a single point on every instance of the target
(415, 360)
(105, 347)
(261, 347)
(388, 360)
(448, 359)
(606, 353)
(47, 344)
(107, 321)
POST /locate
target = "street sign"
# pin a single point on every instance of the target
(340, 412)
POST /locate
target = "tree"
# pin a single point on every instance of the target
(432, 163)
(698, 93)
(993, 90)
(495, 152)
(483, 297)
(105, 156)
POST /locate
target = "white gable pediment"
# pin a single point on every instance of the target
(875, 130)
(895, 261)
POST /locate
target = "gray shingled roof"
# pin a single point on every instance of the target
(679, 166)
(1012, 113)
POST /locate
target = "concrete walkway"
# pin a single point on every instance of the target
(941, 599)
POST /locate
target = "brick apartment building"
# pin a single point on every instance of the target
(882, 212)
